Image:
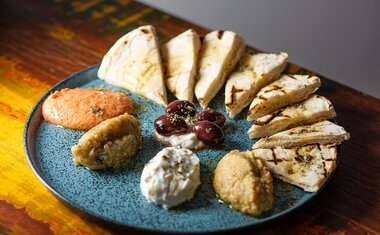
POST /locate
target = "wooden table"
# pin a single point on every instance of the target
(42, 42)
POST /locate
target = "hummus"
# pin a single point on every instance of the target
(244, 182)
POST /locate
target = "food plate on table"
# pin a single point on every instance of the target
(116, 195)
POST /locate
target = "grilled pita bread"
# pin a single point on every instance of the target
(254, 72)
(307, 167)
(324, 132)
(220, 51)
(134, 63)
(314, 109)
(180, 56)
(289, 89)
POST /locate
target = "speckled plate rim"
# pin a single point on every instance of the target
(30, 147)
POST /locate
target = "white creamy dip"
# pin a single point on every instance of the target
(171, 177)
(188, 140)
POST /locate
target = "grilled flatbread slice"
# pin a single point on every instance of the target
(253, 73)
(220, 51)
(180, 57)
(289, 89)
(314, 109)
(134, 63)
(307, 167)
(324, 132)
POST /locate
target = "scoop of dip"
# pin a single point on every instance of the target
(84, 108)
(110, 144)
(171, 177)
(242, 181)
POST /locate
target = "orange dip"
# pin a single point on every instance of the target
(84, 108)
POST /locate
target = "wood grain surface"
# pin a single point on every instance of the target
(42, 42)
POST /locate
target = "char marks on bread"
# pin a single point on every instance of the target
(220, 52)
(315, 109)
(289, 89)
(324, 132)
(254, 71)
(307, 167)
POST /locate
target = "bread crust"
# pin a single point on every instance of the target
(220, 52)
(289, 89)
(324, 132)
(315, 109)
(255, 70)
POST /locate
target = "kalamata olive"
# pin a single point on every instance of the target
(182, 108)
(169, 124)
(209, 133)
(212, 115)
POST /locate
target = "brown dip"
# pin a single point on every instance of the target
(84, 108)
(110, 144)
(244, 182)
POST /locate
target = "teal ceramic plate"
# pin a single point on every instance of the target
(115, 196)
